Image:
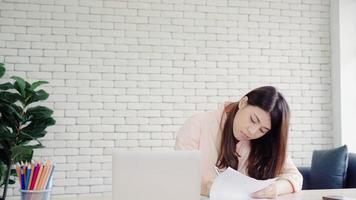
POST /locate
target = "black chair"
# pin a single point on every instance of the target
(330, 169)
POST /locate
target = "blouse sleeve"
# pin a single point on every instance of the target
(188, 136)
(292, 174)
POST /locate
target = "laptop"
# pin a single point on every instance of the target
(156, 175)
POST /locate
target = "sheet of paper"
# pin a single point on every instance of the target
(233, 185)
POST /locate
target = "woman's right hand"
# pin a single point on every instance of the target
(269, 192)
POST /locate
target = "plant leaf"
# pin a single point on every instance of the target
(10, 115)
(5, 154)
(10, 97)
(29, 137)
(2, 173)
(36, 127)
(5, 132)
(22, 153)
(6, 86)
(19, 84)
(37, 83)
(36, 96)
(13, 176)
(2, 69)
(39, 112)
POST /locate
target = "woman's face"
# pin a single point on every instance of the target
(250, 122)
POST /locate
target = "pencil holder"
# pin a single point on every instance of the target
(36, 194)
(35, 179)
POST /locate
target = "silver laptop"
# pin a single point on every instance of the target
(156, 175)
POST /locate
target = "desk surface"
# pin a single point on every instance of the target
(303, 195)
(318, 194)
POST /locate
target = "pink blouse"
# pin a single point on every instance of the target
(202, 132)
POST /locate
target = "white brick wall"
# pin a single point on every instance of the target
(127, 74)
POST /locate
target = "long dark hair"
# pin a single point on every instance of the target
(267, 154)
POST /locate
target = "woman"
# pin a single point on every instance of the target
(249, 136)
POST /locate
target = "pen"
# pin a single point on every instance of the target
(216, 170)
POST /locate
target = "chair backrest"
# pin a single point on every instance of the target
(350, 181)
(351, 171)
(329, 168)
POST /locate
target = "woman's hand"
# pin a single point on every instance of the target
(269, 192)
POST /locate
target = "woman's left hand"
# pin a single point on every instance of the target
(269, 192)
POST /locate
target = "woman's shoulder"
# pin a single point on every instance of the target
(216, 114)
(211, 116)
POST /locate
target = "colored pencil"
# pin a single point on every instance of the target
(28, 174)
(22, 178)
(43, 176)
(38, 176)
(49, 182)
(35, 173)
(31, 175)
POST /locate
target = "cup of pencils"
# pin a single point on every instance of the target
(35, 179)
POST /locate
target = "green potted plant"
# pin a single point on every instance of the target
(21, 125)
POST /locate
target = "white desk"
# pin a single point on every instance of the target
(318, 194)
(303, 195)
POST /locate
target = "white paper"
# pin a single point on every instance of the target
(233, 185)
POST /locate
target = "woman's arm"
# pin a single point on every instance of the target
(290, 180)
(291, 174)
(280, 186)
(283, 186)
